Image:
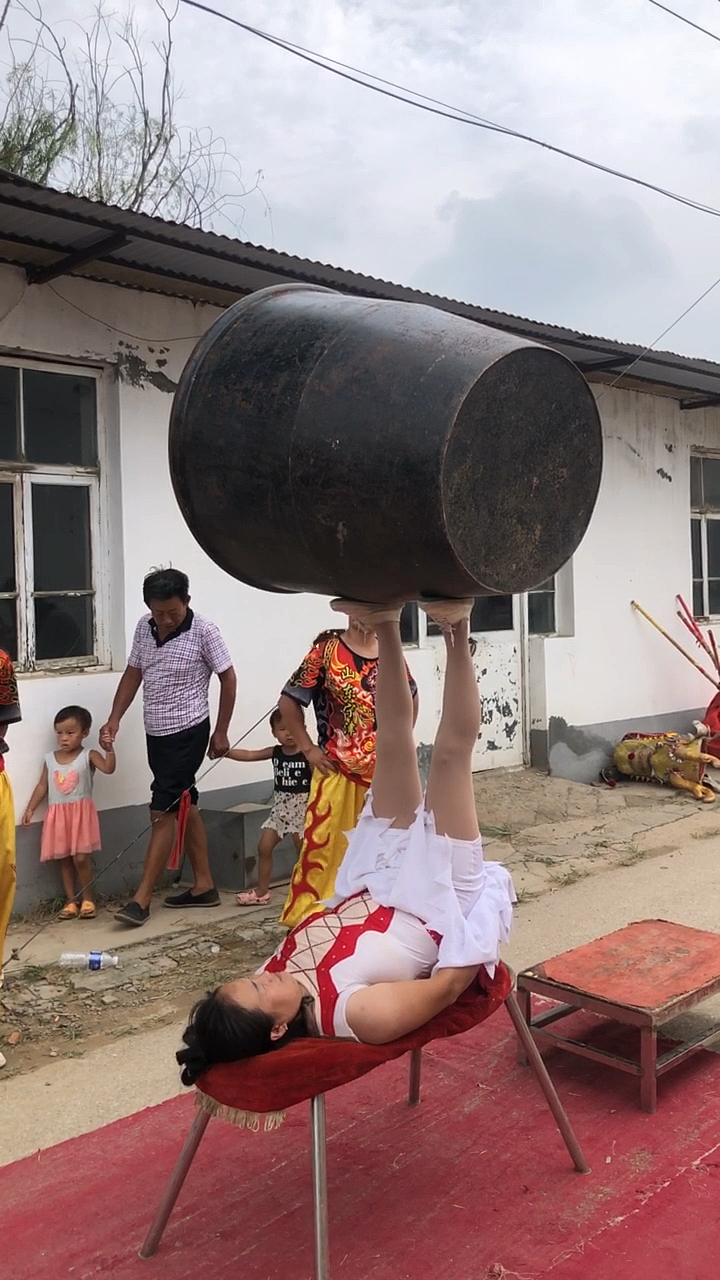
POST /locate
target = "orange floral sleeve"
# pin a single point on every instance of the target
(308, 677)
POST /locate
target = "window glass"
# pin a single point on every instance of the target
(713, 548)
(8, 627)
(714, 595)
(61, 537)
(541, 609)
(490, 613)
(7, 539)
(409, 624)
(697, 567)
(49, 502)
(60, 418)
(696, 543)
(63, 627)
(713, 565)
(711, 483)
(9, 443)
(541, 613)
(696, 498)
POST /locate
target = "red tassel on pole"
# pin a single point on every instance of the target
(182, 821)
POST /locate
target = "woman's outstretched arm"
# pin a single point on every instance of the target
(388, 1010)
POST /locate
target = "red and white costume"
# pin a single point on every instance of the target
(406, 902)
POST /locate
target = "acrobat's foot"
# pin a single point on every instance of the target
(447, 613)
(367, 616)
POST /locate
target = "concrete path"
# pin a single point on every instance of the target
(551, 832)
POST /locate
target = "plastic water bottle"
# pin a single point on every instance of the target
(91, 960)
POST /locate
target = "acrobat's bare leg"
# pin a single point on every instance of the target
(450, 794)
(396, 786)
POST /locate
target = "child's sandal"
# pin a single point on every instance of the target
(251, 899)
(69, 911)
(87, 910)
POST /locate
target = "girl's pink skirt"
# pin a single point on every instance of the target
(69, 829)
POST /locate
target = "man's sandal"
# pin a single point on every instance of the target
(69, 912)
(251, 899)
(87, 910)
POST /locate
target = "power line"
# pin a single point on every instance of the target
(646, 351)
(445, 110)
(681, 18)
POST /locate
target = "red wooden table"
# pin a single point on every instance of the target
(640, 976)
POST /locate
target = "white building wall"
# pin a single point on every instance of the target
(615, 670)
(267, 634)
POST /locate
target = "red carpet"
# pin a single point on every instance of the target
(473, 1181)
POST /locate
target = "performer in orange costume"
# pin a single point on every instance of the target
(338, 676)
(9, 714)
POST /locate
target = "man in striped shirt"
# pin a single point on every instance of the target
(174, 655)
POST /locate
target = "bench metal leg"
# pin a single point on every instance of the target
(546, 1084)
(415, 1069)
(648, 1068)
(319, 1179)
(174, 1186)
(524, 999)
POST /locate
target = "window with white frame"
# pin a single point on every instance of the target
(49, 516)
(705, 534)
(542, 620)
(491, 613)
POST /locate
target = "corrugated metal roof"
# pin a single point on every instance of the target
(39, 227)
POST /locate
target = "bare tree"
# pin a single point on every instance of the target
(37, 127)
(97, 120)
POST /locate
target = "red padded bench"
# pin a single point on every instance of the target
(307, 1069)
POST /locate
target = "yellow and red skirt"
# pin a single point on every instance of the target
(7, 857)
(333, 808)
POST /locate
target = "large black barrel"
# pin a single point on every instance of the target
(381, 450)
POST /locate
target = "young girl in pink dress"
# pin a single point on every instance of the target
(71, 831)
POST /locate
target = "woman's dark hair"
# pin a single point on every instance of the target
(334, 633)
(81, 714)
(221, 1031)
(166, 584)
(276, 716)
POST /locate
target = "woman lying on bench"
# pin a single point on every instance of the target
(416, 910)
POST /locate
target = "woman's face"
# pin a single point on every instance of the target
(277, 994)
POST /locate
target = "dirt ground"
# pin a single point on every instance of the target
(48, 1011)
(549, 832)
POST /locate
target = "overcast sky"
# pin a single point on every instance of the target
(369, 184)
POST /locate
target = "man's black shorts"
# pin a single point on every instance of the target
(175, 759)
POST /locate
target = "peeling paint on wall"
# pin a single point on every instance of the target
(499, 691)
(497, 669)
(664, 474)
(134, 370)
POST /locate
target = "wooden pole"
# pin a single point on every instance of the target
(699, 639)
(675, 644)
(688, 614)
(690, 621)
(715, 651)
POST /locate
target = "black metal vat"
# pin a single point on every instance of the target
(381, 450)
